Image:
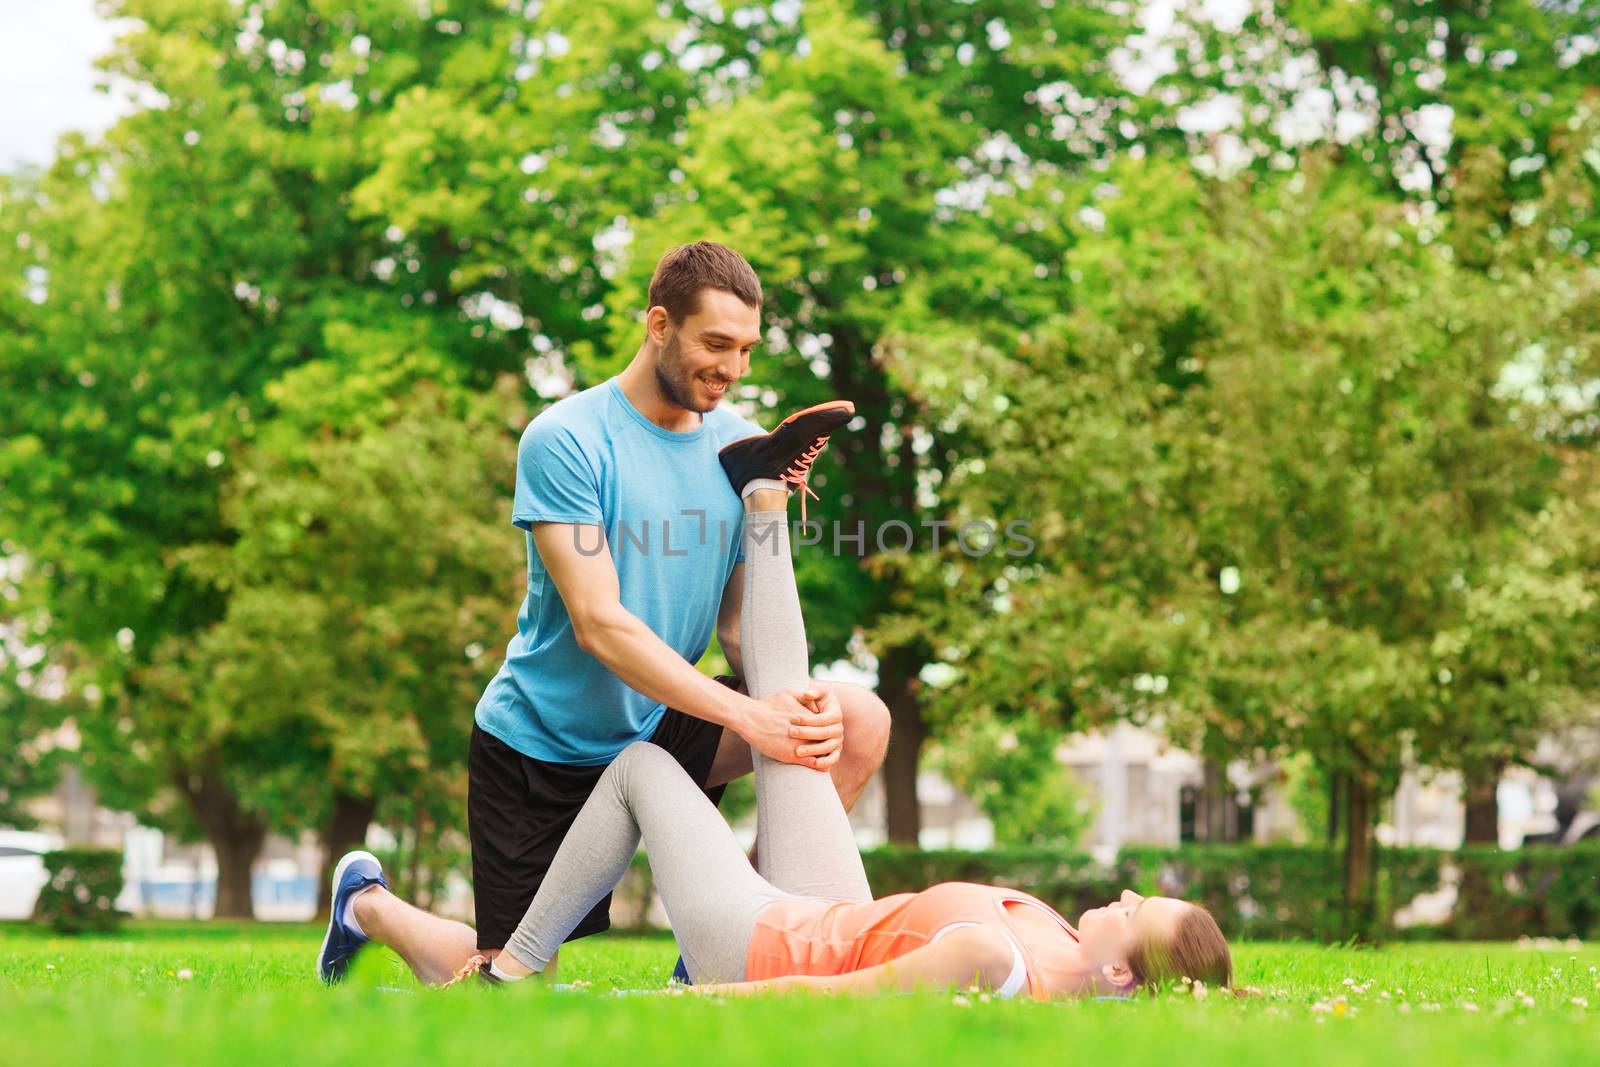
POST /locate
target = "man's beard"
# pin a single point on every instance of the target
(675, 381)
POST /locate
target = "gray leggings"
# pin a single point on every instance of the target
(711, 894)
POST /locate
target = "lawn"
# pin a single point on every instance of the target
(184, 993)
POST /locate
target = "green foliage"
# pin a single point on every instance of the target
(202, 304)
(1503, 79)
(370, 558)
(1530, 891)
(1269, 429)
(739, 799)
(1239, 481)
(1305, 790)
(81, 895)
(431, 847)
(27, 722)
(1278, 891)
(1011, 772)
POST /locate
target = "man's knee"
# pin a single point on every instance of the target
(866, 723)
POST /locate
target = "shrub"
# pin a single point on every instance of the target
(1067, 881)
(82, 892)
(1287, 891)
(1535, 891)
(1267, 892)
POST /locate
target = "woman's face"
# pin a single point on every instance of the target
(1107, 935)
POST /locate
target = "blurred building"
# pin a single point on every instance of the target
(164, 877)
(1148, 792)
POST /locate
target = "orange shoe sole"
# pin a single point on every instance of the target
(831, 405)
(843, 405)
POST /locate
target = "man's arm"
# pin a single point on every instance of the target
(785, 726)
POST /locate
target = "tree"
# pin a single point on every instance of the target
(26, 723)
(1507, 670)
(1011, 772)
(1470, 106)
(1239, 477)
(168, 274)
(1402, 93)
(368, 592)
(31, 699)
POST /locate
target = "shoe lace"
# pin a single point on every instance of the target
(800, 469)
(468, 970)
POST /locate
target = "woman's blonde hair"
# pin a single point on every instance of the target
(1197, 950)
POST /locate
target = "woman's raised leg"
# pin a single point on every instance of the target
(804, 843)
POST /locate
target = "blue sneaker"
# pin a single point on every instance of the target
(680, 973)
(355, 872)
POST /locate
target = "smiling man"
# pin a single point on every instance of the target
(633, 536)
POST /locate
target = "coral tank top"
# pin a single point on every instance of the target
(813, 937)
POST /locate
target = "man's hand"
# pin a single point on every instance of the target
(803, 726)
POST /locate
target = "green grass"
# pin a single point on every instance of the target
(184, 993)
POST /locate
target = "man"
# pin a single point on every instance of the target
(633, 537)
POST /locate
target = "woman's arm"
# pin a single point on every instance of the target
(980, 955)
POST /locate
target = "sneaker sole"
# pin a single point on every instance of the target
(333, 904)
(831, 405)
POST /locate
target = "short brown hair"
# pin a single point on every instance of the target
(1197, 951)
(685, 271)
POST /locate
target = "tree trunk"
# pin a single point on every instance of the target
(235, 836)
(346, 829)
(1359, 869)
(1335, 807)
(414, 875)
(1480, 790)
(1211, 822)
(897, 686)
(236, 857)
(1473, 913)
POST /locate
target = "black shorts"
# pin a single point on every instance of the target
(520, 808)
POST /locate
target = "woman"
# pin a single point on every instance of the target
(807, 920)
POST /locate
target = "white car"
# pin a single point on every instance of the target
(22, 872)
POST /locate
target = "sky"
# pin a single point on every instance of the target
(47, 80)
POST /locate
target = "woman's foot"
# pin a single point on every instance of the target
(787, 453)
(486, 970)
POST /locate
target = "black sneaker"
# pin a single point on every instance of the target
(476, 970)
(787, 453)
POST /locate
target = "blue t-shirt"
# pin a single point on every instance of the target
(672, 522)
